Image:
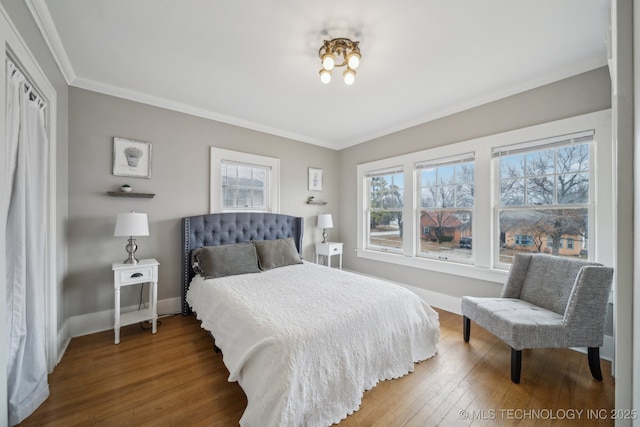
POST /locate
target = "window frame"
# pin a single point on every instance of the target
(272, 190)
(369, 210)
(265, 189)
(485, 239)
(436, 164)
(551, 143)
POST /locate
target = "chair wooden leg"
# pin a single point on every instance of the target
(593, 353)
(516, 365)
(466, 328)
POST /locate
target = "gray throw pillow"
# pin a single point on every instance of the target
(195, 256)
(227, 260)
(276, 253)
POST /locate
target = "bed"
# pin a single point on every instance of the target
(303, 341)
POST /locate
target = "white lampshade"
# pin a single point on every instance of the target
(132, 224)
(325, 221)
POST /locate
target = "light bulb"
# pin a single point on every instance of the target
(349, 76)
(325, 76)
(354, 60)
(328, 61)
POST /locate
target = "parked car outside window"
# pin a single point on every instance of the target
(465, 242)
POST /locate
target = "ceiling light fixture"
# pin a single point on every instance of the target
(336, 50)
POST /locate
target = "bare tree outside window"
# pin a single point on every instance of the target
(446, 210)
(544, 194)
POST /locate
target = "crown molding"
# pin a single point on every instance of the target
(543, 80)
(156, 101)
(42, 17)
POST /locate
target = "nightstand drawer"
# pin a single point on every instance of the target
(136, 275)
(328, 250)
(146, 271)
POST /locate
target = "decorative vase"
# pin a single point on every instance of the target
(126, 189)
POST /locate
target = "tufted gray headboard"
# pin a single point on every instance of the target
(238, 227)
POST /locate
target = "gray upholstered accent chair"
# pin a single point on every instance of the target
(547, 301)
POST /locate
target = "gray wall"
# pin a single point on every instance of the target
(180, 180)
(581, 94)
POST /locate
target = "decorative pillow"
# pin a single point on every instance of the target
(195, 258)
(276, 253)
(227, 260)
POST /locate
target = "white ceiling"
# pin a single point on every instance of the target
(255, 64)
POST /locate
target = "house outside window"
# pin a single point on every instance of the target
(544, 194)
(569, 189)
(445, 210)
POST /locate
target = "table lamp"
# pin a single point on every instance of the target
(325, 221)
(132, 224)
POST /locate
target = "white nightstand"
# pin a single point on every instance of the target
(328, 249)
(145, 271)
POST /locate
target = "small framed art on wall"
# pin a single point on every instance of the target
(131, 158)
(315, 179)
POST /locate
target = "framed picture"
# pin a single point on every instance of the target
(131, 158)
(315, 179)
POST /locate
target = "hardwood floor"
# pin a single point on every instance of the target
(174, 378)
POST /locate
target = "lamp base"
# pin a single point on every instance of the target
(131, 260)
(324, 235)
(131, 250)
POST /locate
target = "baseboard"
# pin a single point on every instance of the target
(90, 323)
(606, 351)
(435, 299)
(64, 338)
(452, 305)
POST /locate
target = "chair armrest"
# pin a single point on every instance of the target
(586, 310)
(517, 273)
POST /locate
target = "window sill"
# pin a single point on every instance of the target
(464, 270)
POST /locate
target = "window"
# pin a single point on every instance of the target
(385, 195)
(244, 186)
(544, 195)
(521, 240)
(466, 208)
(243, 182)
(445, 211)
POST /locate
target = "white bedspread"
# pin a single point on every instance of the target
(305, 341)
